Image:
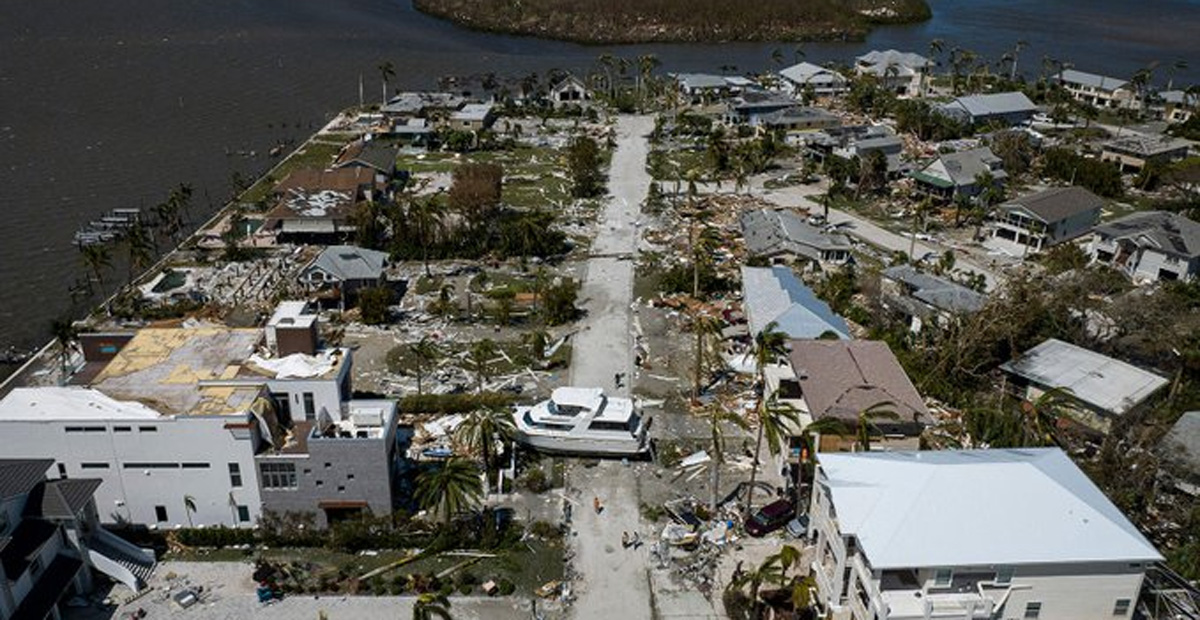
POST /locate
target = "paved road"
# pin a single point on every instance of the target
(613, 580)
(868, 231)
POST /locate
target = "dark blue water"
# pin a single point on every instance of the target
(107, 104)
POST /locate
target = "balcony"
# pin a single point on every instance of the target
(914, 605)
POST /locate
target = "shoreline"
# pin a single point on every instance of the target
(857, 27)
(9, 381)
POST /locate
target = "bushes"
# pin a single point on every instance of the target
(217, 537)
(373, 304)
(1103, 178)
(585, 167)
(535, 480)
(558, 303)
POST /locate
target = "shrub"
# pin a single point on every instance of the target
(506, 587)
(535, 480)
(454, 403)
(545, 530)
(373, 304)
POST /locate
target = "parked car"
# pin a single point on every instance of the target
(798, 527)
(771, 517)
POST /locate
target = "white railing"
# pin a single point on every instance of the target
(111, 568)
(123, 546)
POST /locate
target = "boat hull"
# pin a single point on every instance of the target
(583, 446)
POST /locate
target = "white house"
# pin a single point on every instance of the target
(1149, 246)
(973, 534)
(1098, 90)
(176, 413)
(569, 91)
(821, 81)
(899, 72)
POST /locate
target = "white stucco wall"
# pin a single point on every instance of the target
(132, 493)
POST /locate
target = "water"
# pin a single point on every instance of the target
(109, 104)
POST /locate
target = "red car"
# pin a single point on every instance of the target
(771, 517)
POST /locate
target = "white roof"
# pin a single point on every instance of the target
(473, 112)
(292, 314)
(808, 73)
(977, 507)
(1098, 380)
(591, 399)
(776, 295)
(50, 404)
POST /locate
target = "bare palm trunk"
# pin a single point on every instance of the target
(755, 463)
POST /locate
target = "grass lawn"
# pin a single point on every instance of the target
(312, 154)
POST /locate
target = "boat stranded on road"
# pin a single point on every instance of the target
(583, 421)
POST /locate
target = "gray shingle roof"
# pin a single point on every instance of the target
(1167, 232)
(962, 167)
(1091, 79)
(808, 73)
(796, 114)
(348, 262)
(700, 81)
(776, 295)
(20, 476)
(937, 292)
(993, 104)
(876, 62)
(61, 499)
(768, 231)
(375, 154)
(1057, 203)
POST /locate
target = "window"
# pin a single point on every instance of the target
(195, 465)
(1004, 575)
(160, 514)
(93, 465)
(943, 577)
(320, 483)
(62, 470)
(278, 475)
(147, 429)
(341, 489)
(235, 475)
(151, 465)
(1033, 610)
(84, 429)
(1122, 607)
(243, 514)
(349, 476)
(122, 429)
(310, 406)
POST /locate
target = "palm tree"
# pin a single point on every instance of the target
(96, 257)
(1178, 65)
(706, 327)
(67, 338)
(646, 65)
(427, 219)
(430, 605)
(798, 54)
(808, 448)
(935, 50)
(770, 572)
(479, 361)
(920, 212)
(449, 489)
(189, 506)
(867, 422)
(1014, 57)
(426, 354)
(608, 62)
(717, 417)
(445, 304)
(481, 428)
(141, 247)
(386, 71)
(1039, 417)
(769, 345)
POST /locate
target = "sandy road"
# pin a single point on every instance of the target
(614, 581)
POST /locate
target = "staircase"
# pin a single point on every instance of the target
(121, 560)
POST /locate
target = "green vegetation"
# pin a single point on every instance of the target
(1103, 178)
(636, 21)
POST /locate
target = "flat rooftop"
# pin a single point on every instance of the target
(164, 368)
(1098, 380)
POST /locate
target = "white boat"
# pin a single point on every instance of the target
(583, 421)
